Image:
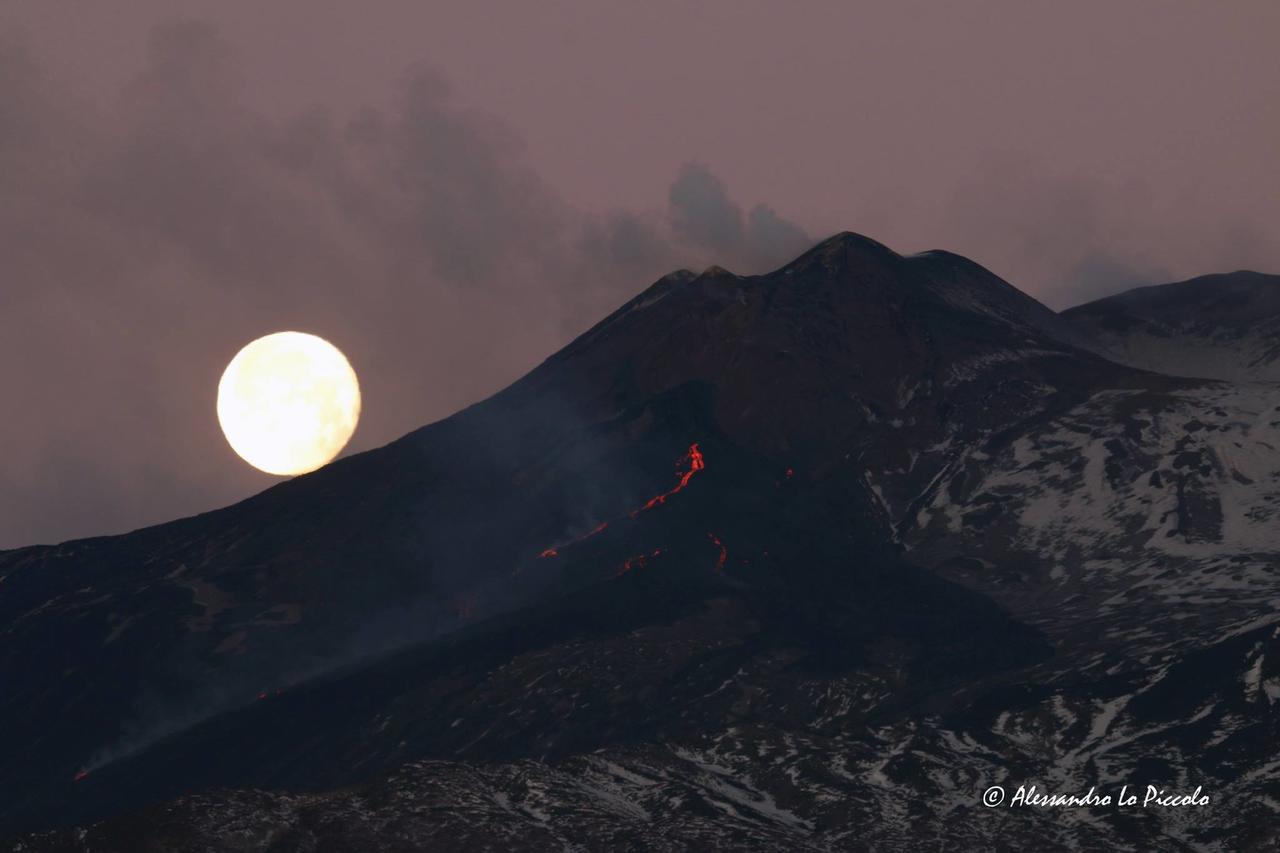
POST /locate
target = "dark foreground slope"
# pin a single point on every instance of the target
(804, 560)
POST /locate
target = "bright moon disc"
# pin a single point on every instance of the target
(288, 403)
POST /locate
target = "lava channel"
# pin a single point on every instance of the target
(639, 561)
(724, 552)
(696, 463)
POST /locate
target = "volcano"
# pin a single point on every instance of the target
(806, 560)
(1217, 326)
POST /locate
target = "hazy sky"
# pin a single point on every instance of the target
(450, 191)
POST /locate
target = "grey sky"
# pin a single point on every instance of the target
(450, 191)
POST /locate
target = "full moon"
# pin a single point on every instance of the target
(288, 403)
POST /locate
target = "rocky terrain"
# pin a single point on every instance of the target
(801, 561)
(1217, 326)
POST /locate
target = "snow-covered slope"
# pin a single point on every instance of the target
(920, 539)
(1217, 326)
(1139, 517)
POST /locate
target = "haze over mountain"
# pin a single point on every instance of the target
(412, 181)
(807, 560)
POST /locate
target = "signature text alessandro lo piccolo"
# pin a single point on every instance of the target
(1152, 797)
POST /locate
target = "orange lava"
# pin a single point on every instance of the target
(696, 464)
(639, 561)
(553, 552)
(724, 552)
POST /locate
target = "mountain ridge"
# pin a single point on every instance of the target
(792, 501)
(1218, 326)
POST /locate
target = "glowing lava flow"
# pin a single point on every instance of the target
(724, 552)
(696, 464)
(554, 552)
(81, 775)
(637, 562)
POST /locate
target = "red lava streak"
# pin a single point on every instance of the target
(80, 775)
(637, 562)
(696, 464)
(724, 552)
(552, 552)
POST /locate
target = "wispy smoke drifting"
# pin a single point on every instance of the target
(1068, 240)
(703, 213)
(148, 237)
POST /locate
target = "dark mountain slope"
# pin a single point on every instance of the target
(849, 351)
(1223, 326)
(705, 515)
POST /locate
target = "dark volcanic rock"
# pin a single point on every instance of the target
(805, 560)
(1216, 326)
